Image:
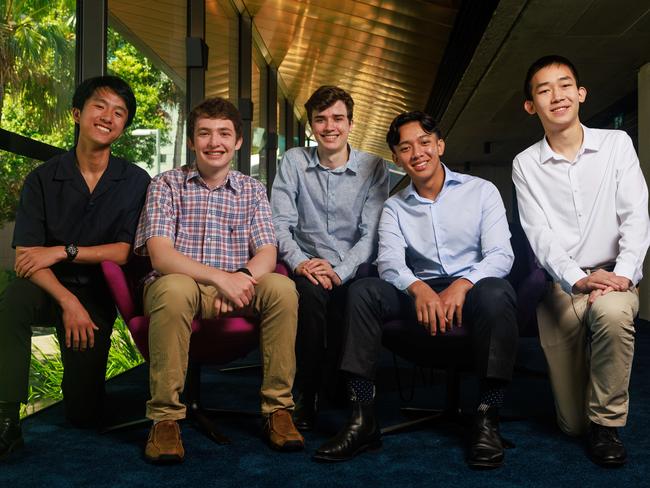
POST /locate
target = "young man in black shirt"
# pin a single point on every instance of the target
(75, 210)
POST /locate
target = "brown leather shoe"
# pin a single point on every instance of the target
(164, 444)
(281, 433)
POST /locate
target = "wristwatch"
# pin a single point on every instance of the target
(244, 270)
(71, 251)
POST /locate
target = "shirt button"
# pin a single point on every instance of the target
(208, 239)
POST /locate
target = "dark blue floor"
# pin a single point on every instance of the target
(59, 456)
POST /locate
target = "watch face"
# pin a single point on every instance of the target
(71, 250)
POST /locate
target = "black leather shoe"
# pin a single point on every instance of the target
(605, 447)
(304, 413)
(361, 433)
(486, 446)
(11, 437)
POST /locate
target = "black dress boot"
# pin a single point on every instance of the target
(605, 447)
(486, 446)
(11, 436)
(304, 413)
(361, 433)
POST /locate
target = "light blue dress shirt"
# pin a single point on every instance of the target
(462, 233)
(328, 213)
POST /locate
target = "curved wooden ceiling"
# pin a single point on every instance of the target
(386, 53)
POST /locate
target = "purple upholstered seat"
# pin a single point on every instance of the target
(215, 341)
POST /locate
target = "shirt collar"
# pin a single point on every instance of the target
(67, 168)
(590, 142)
(451, 178)
(352, 163)
(231, 179)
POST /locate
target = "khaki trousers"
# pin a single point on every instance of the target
(172, 301)
(589, 351)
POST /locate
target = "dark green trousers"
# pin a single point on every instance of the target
(23, 305)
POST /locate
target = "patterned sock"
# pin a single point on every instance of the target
(492, 394)
(361, 389)
(10, 410)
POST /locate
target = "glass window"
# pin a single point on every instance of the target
(37, 58)
(259, 126)
(153, 63)
(296, 130)
(13, 170)
(282, 126)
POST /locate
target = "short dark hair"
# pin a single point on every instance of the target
(542, 63)
(427, 123)
(88, 87)
(214, 108)
(325, 97)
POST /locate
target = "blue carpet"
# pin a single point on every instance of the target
(59, 456)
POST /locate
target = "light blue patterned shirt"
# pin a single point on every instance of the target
(462, 233)
(328, 213)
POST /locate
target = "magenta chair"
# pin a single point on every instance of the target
(214, 341)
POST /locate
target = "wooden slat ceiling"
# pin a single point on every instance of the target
(386, 53)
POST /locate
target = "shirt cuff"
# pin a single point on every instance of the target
(570, 278)
(294, 260)
(404, 281)
(627, 270)
(475, 276)
(345, 272)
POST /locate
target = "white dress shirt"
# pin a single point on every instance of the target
(584, 213)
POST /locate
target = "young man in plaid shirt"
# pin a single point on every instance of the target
(208, 231)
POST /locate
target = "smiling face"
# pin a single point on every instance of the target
(556, 98)
(418, 153)
(102, 119)
(214, 141)
(331, 128)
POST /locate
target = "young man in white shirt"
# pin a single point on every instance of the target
(583, 203)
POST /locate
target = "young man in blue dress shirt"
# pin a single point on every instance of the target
(326, 202)
(444, 250)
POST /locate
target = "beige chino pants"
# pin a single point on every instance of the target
(589, 351)
(172, 301)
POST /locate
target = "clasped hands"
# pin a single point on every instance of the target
(600, 283)
(440, 311)
(319, 272)
(234, 291)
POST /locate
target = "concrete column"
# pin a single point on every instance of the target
(644, 158)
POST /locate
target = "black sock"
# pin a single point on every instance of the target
(361, 389)
(492, 394)
(10, 410)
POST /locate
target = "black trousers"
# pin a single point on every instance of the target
(489, 312)
(318, 341)
(25, 304)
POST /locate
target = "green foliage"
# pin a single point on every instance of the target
(152, 90)
(13, 170)
(37, 59)
(123, 354)
(47, 370)
(37, 43)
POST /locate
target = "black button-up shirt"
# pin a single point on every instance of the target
(56, 208)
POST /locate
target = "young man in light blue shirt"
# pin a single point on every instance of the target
(444, 250)
(326, 202)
